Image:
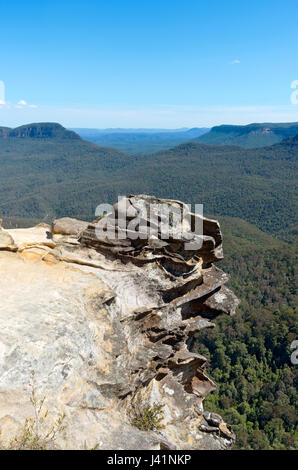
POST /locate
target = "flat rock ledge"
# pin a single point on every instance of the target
(101, 318)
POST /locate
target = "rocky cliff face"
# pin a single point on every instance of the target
(99, 318)
(4, 132)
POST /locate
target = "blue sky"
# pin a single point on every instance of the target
(155, 63)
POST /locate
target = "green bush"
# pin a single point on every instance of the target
(145, 416)
(36, 434)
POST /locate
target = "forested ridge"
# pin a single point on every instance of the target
(50, 177)
(249, 354)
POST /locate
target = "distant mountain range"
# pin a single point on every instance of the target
(47, 171)
(146, 141)
(250, 136)
(140, 141)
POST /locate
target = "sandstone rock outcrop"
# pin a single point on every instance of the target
(99, 318)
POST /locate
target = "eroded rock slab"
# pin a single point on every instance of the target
(99, 319)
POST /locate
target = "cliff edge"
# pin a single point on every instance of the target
(105, 311)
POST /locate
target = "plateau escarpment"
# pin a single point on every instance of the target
(249, 136)
(38, 131)
(104, 311)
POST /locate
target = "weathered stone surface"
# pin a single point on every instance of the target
(6, 241)
(99, 320)
(68, 226)
(142, 248)
(29, 237)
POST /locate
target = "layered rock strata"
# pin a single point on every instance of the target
(101, 311)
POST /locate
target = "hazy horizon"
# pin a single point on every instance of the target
(151, 129)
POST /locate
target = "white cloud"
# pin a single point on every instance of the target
(23, 104)
(19, 105)
(235, 61)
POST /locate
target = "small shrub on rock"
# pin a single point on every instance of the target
(145, 416)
